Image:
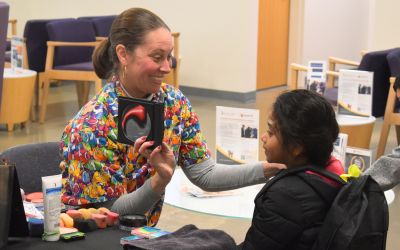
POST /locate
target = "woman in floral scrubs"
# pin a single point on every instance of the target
(98, 170)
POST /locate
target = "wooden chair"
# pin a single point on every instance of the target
(332, 63)
(60, 67)
(13, 24)
(377, 62)
(101, 24)
(296, 69)
(391, 118)
(173, 77)
(11, 32)
(357, 133)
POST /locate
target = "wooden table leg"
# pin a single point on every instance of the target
(10, 127)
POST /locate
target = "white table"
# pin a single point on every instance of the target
(359, 129)
(239, 204)
(17, 94)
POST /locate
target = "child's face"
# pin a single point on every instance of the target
(272, 143)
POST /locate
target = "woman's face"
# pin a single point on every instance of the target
(272, 143)
(147, 65)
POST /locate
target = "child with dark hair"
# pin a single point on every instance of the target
(289, 213)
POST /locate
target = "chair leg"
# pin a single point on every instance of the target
(97, 86)
(383, 139)
(43, 103)
(85, 92)
(33, 111)
(398, 133)
(35, 100)
(10, 127)
(79, 90)
(82, 91)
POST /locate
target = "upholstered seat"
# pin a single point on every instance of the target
(36, 37)
(69, 57)
(34, 161)
(101, 24)
(377, 62)
(4, 9)
(83, 66)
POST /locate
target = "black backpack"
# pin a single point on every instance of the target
(358, 218)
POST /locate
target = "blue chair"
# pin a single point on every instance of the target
(392, 112)
(69, 57)
(36, 37)
(13, 23)
(34, 161)
(101, 24)
(4, 8)
(376, 62)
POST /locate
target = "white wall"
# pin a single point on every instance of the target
(218, 43)
(219, 38)
(338, 28)
(386, 33)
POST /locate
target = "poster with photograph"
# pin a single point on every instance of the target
(316, 77)
(355, 93)
(339, 148)
(358, 156)
(17, 46)
(237, 135)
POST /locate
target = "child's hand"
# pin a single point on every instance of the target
(271, 169)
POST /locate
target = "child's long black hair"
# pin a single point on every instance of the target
(307, 119)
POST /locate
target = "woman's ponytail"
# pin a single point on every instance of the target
(102, 63)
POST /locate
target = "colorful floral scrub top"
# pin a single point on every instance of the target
(97, 168)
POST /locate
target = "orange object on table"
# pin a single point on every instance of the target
(34, 196)
(100, 220)
(112, 218)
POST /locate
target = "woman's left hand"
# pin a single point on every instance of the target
(271, 169)
(162, 159)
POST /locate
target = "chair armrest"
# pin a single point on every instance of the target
(100, 38)
(13, 23)
(332, 62)
(298, 67)
(392, 79)
(71, 44)
(335, 60)
(295, 68)
(52, 44)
